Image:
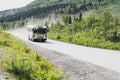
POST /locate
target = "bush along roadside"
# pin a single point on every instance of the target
(101, 31)
(24, 63)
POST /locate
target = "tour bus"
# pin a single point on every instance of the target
(37, 33)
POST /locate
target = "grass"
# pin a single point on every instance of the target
(24, 63)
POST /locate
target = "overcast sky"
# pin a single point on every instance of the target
(10, 4)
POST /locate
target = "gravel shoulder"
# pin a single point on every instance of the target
(75, 69)
(5, 75)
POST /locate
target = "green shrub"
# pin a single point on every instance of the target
(24, 63)
(102, 31)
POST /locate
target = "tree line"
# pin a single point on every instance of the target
(63, 7)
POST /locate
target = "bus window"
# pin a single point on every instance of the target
(40, 31)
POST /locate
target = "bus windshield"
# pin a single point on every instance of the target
(40, 31)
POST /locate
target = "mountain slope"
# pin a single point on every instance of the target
(42, 8)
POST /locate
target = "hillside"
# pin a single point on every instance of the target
(42, 8)
(17, 59)
(102, 31)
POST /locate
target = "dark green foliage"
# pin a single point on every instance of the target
(113, 35)
(80, 16)
(42, 8)
(102, 31)
(67, 19)
(13, 24)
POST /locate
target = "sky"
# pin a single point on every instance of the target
(11, 4)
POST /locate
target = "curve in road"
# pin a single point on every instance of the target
(105, 58)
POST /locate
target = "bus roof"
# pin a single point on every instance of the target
(34, 26)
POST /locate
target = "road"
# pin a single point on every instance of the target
(108, 59)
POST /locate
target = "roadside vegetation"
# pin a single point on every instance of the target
(101, 31)
(24, 63)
